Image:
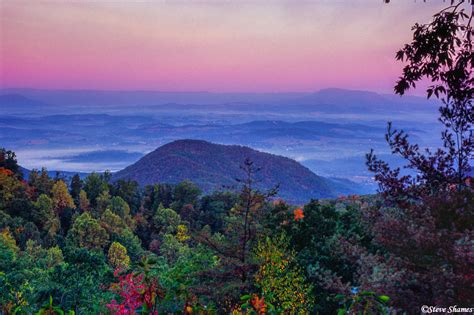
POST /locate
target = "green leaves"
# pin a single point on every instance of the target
(383, 298)
(50, 309)
(365, 302)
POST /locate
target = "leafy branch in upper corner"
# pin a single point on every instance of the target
(426, 219)
(442, 52)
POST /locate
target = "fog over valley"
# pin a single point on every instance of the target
(329, 131)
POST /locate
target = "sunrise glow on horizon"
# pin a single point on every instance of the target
(274, 46)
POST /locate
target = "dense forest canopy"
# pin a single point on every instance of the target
(103, 246)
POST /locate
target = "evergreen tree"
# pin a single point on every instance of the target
(86, 232)
(76, 187)
(94, 186)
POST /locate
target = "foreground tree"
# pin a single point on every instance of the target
(426, 223)
(280, 279)
(234, 274)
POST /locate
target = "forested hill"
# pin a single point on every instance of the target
(212, 166)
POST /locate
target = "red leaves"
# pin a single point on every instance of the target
(150, 294)
(137, 293)
(130, 289)
(5, 171)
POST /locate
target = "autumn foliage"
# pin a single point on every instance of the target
(96, 246)
(298, 214)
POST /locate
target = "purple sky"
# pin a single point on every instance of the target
(257, 46)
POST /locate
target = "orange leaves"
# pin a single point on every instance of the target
(188, 309)
(299, 214)
(259, 305)
(253, 305)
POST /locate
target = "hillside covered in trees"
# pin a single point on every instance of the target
(215, 167)
(100, 246)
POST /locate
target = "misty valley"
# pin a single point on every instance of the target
(329, 131)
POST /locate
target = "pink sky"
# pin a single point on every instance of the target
(254, 46)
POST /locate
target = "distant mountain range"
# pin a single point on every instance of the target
(17, 103)
(66, 176)
(214, 166)
(332, 99)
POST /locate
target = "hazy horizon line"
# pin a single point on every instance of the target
(207, 91)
